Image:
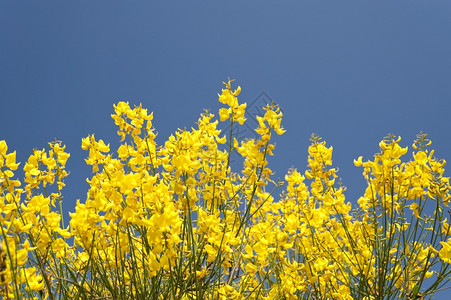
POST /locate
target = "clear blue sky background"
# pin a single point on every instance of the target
(350, 71)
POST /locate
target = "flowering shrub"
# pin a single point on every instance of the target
(176, 222)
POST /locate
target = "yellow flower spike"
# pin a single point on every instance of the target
(235, 111)
(58, 149)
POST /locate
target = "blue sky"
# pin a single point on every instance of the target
(350, 71)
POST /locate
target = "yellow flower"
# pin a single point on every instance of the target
(35, 281)
(358, 162)
(445, 252)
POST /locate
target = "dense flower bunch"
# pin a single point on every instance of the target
(176, 222)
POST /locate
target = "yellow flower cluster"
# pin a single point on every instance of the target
(176, 222)
(34, 237)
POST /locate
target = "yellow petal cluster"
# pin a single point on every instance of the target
(175, 221)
